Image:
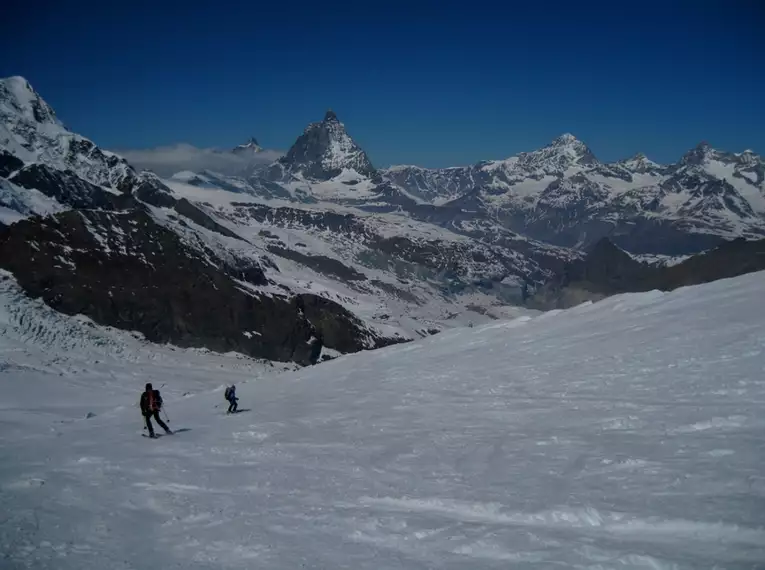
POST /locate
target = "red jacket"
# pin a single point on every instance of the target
(150, 402)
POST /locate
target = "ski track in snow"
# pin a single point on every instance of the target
(621, 434)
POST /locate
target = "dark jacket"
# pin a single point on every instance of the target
(146, 404)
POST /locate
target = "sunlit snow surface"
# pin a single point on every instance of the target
(623, 434)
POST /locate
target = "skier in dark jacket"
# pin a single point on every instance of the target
(151, 404)
(230, 396)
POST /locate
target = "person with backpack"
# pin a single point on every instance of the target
(230, 395)
(151, 404)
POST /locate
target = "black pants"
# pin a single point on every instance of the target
(159, 421)
(232, 405)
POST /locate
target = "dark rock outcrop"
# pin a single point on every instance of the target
(320, 264)
(609, 270)
(338, 328)
(151, 191)
(69, 189)
(9, 163)
(323, 151)
(195, 214)
(124, 270)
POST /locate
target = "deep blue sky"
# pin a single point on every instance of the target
(431, 83)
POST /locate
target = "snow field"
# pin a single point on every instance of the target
(621, 434)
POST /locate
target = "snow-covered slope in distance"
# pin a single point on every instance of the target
(625, 433)
(402, 275)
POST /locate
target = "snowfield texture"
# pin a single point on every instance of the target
(622, 434)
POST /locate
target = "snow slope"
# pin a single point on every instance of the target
(70, 366)
(626, 433)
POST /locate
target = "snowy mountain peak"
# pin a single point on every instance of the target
(640, 164)
(565, 139)
(698, 155)
(30, 131)
(251, 146)
(561, 154)
(17, 96)
(748, 157)
(324, 150)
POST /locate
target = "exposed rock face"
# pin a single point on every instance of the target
(455, 265)
(69, 189)
(121, 248)
(338, 328)
(192, 212)
(609, 270)
(251, 147)
(563, 195)
(324, 150)
(123, 269)
(9, 163)
(320, 264)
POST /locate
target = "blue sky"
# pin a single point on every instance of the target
(431, 83)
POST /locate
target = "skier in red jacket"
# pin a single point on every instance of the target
(151, 404)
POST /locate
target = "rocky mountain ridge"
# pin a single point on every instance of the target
(89, 235)
(609, 270)
(352, 256)
(560, 194)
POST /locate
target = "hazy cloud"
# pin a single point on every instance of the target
(167, 160)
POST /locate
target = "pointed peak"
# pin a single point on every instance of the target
(639, 164)
(561, 154)
(638, 159)
(565, 139)
(698, 154)
(250, 146)
(17, 80)
(20, 94)
(325, 150)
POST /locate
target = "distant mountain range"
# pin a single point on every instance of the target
(561, 194)
(302, 255)
(564, 195)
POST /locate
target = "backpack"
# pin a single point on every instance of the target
(227, 393)
(151, 401)
(157, 401)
